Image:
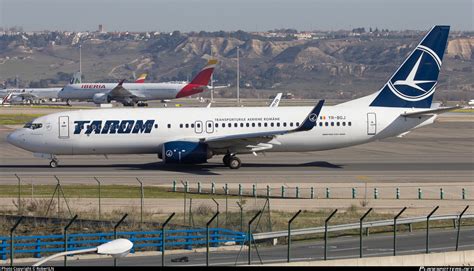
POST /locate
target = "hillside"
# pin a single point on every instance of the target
(338, 67)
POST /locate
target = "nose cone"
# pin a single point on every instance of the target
(14, 138)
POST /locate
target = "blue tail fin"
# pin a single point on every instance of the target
(414, 83)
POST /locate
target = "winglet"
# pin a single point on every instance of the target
(121, 82)
(311, 119)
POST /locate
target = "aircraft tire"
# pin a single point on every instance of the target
(234, 162)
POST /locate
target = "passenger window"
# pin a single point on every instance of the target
(253, 124)
(265, 124)
(332, 123)
(278, 124)
(235, 124)
(209, 125)
(320, 124)
(272, 124)
(349, 123)
(217, 125)
(187, 125)
(326, 124)
(180, 125)
(156, 126)
(259, 124)
(241, 125)
(297, 124)
(343, 123)
(169, 126)
(192, 125)
(247, 124)
(291, 124)
(284, 124)
(337, 123)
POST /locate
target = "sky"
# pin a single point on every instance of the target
(227, 15)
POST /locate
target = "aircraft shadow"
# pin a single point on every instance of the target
(199, 169)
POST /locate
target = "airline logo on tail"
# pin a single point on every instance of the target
(414, 83)
(417, 85)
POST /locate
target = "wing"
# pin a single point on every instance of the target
(119, 93)
(260, 141)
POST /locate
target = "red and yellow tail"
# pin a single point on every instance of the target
(141, 78)
(200, 82)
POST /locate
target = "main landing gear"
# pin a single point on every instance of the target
(54, 163)
(232, 161)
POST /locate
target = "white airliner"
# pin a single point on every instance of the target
(131, 93)
(28, 95)
(193, 135)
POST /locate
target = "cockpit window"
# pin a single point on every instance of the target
(33, 126)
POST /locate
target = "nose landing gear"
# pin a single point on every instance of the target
(54, 163)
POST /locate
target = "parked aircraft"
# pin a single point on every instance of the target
(130, 94)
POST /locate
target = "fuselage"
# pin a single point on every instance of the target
(132, 131)
(39, 93)
(143, 91)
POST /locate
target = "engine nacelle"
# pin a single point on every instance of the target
(185, 152)
(101, 98)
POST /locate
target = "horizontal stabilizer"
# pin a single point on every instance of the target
(429, 112)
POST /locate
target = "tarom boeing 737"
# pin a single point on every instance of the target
(194, 135)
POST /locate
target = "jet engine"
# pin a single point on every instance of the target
(185, 152)
(101, 98)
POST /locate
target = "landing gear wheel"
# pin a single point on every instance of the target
(234, 162)
(226, 160)
(53, 163)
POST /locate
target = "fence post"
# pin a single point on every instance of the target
(282, 191)
(268, 191)
(142, 196)
(326, 234)
(98, 182)
(297, 192)
(184, 199)
(441, 193)
(459, 226)
(420, 193)
(397, 192)
(312, 192)
(376, 193)
(240, 190)
(360, 230)
(115, 232)
(213, 188)
(226, 189)
(65, 237)
(254, 190)
(354, 192)
(395, 230)
(249, 237)
(328, 192)
(163, 239)
(173, 189)
(207, 237)
(12, 246)
(463, 193)
(217, 211)
(428, 229)
(241, 217)
(289, 235)
(199, 188)
(19, 194)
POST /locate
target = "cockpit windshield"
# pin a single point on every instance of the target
(33, 126)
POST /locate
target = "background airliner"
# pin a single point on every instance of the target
(193, 135)
(131, 93)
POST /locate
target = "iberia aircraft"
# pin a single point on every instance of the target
(193, 135)
(131, 93)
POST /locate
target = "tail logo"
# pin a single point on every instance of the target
(420, 82)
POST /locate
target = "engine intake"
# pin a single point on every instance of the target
(185, 152)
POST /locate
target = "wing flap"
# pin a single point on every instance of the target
(429, 112)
